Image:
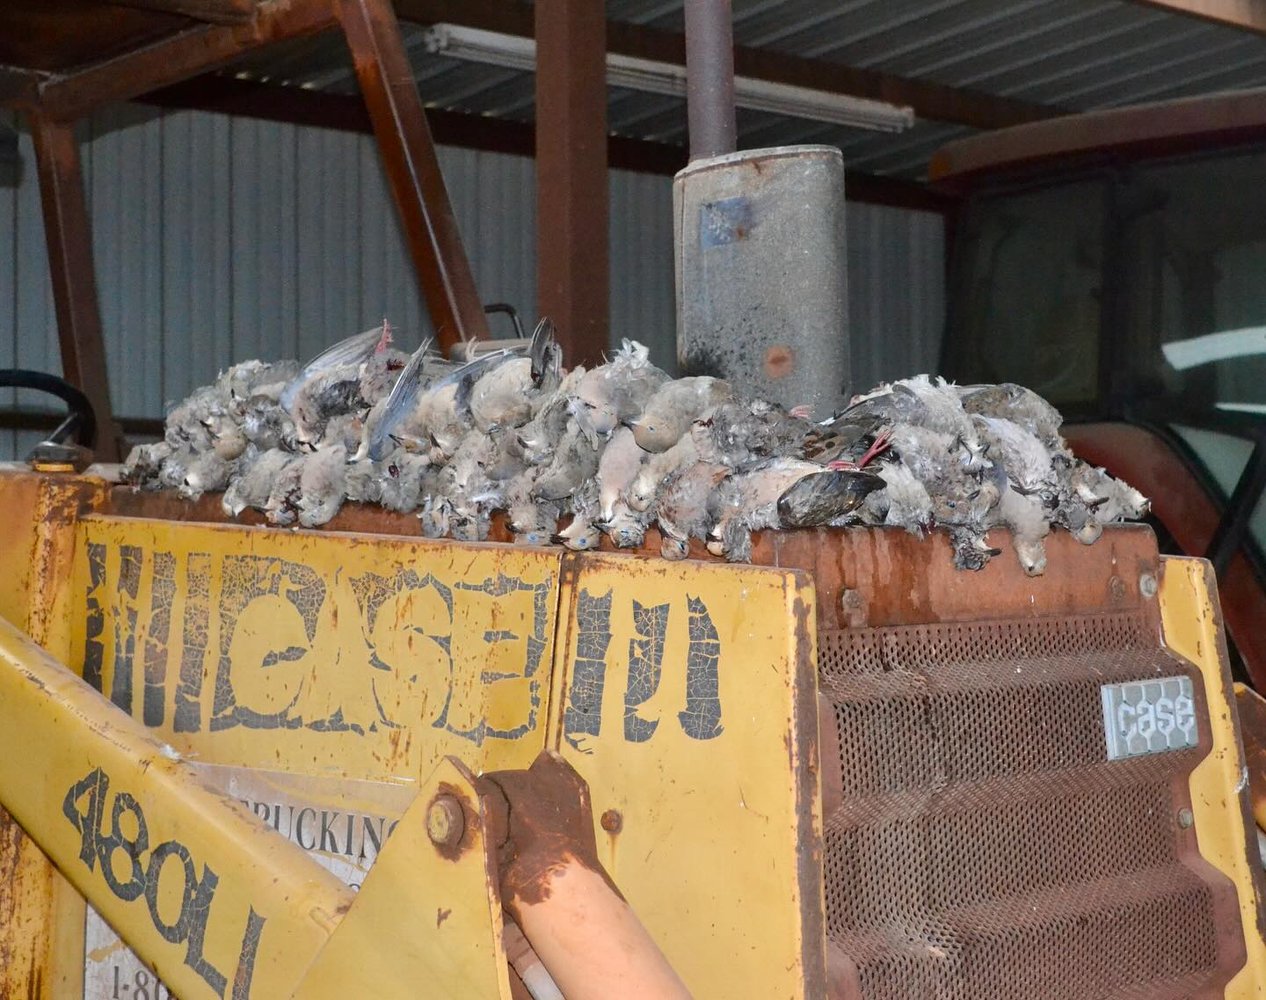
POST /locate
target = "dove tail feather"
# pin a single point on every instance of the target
(543, 337)
(399, 403)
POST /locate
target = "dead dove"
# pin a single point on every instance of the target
(670, 413)
(1024, 516)
(574, 461)
(1026, 458)
(254, 485)
(617, 391)
(1016, 403)
(505, 395)
(682, 511)
(618, 466)
(659, 467)
(204, 472)
(330, 383)
(347, 355)
(144, 464)
(829, 497)
(322, 485)
(748, 501)
(582, 535)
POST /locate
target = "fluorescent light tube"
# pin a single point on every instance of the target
(515, 52)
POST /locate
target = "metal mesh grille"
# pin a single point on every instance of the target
(980, 844)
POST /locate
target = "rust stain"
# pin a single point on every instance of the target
(441, 914)
(470, 816)
(780, 361)
(548, 828)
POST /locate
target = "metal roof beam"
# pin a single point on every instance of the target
(1246, 15)
(212, 11)
(930, 101)
(178, 57)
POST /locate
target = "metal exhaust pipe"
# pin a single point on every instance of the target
(759, 244)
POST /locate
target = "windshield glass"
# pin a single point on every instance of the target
(1138, 293)
(1028, 308)
(1194, 260)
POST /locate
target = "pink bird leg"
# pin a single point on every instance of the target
(385, 340)
(881, 443)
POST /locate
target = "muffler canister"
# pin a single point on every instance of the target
(761, 287)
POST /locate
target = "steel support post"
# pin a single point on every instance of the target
(572, 257)
(408, 155)
(68, 234)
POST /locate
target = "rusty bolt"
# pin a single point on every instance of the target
(445, 822)
(1185, 819)
(612, 821)
(1147, 585)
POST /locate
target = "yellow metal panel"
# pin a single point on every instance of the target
(36, 548)
(1192, 624)
(453, 924)
(685, 694)
(319, 653)
(203, 889)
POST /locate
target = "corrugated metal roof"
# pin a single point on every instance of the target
(1074, 54)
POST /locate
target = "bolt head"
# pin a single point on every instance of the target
(1185, 819)
(445, 822)
(1147, 585)
(612, 821)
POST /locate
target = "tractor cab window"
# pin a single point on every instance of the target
(1193, 264)
(1029, 292)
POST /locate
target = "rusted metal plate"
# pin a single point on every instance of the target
(980, 835)
(318, 653)
(36, 551)
(684, 694)
(888, 577)
(36, 545)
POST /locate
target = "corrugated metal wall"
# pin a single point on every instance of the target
(221, 239)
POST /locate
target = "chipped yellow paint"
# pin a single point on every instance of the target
(318, 653)
(36, 549)
(1192, 625)
(136, 834)
(457, 937)
(701, 733)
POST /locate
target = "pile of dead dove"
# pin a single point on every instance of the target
(620, 448)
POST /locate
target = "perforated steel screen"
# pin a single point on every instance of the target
(979, 841)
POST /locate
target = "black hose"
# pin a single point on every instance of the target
(82, 421)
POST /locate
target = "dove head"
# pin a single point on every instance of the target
(1032, 555)
(674, 548)
(625, 530)
(1089, 532)
(1133, 502)
(652, 434)
(641, 493)
(232, 503)
(592, 410)
(580, 535)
